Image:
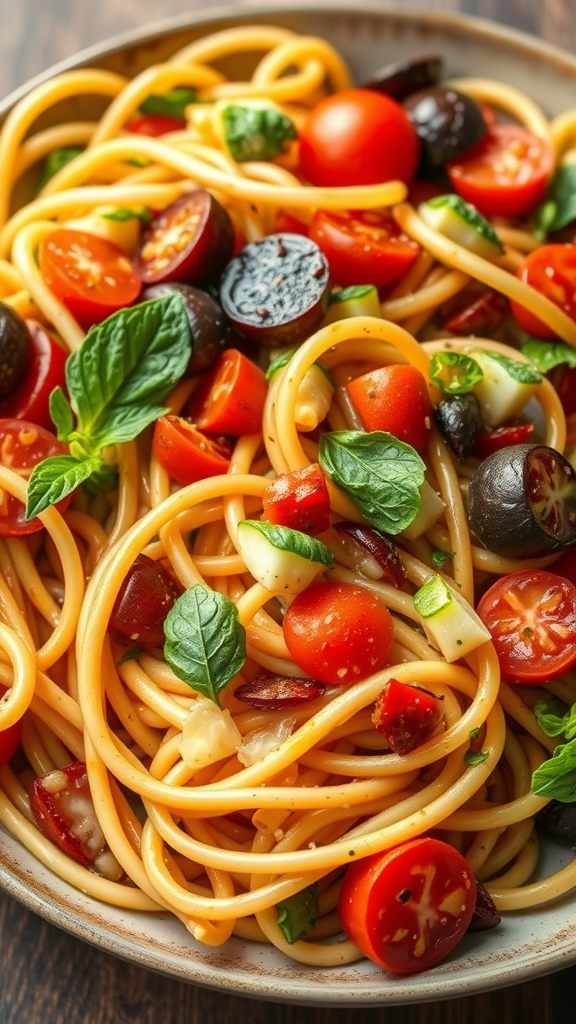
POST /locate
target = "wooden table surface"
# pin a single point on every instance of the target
(48, 977)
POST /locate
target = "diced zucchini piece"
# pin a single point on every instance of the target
(461, 223)
(284, 561)
(449, 622)
(357, 300)
(431, 508)
(506, 386)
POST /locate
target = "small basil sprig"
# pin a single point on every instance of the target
(255, 130)
(556, 777)
(298, 913)
(116, 380)
(379, 473)
(205, 641)
(56, 160)
(546, 355)
(169, 104)
(559, 208)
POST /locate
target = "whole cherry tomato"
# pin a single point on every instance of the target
(358, 137)
(338, 633)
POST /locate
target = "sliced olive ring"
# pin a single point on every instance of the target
(522, 501)
(405, 77)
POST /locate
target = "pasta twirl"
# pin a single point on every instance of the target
(223, 839)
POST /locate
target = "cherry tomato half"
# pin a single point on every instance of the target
(92, 276)
(155, 125)
(338, 633)
(408, 907)
(363, 246)
(22, 446)
(186, 453)
(358, 137)
(45, 371)
(531, 615)
(394, 399)
(504, 174)
(551, 270)
(230, 397)
(492, 439)
(191, 240)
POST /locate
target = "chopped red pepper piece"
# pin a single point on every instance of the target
(299, 500)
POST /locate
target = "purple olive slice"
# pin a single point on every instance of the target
(458, 419)
(400, 79)
(522, 501)
(485, 914)
(369, 551)
(14, 343)
(275, 291)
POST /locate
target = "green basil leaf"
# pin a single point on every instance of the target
(132, 654)
(284, 358)
(545, 355)
(170, 104)
(141, 213)
(550, 718)
(298, 914)
(256, 132)
(61, 413)
(284, 538)
(56, 160)
(353, 291)
(475, 732)
(474, 757)
(521, 372)
(561, 192)
(55, 478)
(556, 777)
(379, 473)
(454, 372)
(125, 423)
(205, 642)
(135, 357)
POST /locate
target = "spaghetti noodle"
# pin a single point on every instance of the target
(222, 844)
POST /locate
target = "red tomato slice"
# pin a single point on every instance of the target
(22, 446)
(394, 399)
(143, 602)
(531, 615)
(298, 500)
(155, 125)
(230, 396)
(551, 270)
(408, 907)
(338, 633)
(92, 276)
(187, 454)
(46, 370)
(504, 174)
(406, 715)
(358, 137)
(9, 738)
(363, 246)
(480, 316)
(488, 441)
(64, 812)
(191, 241)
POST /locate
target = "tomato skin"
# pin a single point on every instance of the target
(531, 615)
(90, 275)
(490, 440)
(46, 371)
(191, 240)
(358, 137)
(143, 602)
(298, 500)
(186, 453)
(22, 446)
(155, 125)
(406, 715)
(551, 270)
(286, 223)
(338, 633)
(504, 174)
(230, 397)
(480, 316)
(363, 246)
(394, 399)
(408, 907)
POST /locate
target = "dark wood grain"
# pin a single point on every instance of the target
(48, 977)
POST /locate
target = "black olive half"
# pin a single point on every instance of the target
(458, 419)
(209, 327)
(13, 350)
(275, 291)
(401, 79)
(522, 501)
(558, 820)
(447, 123)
